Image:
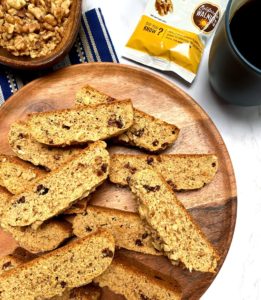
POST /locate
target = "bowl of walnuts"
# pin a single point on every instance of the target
(36, 34)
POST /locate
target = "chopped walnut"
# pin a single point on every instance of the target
(32, 27)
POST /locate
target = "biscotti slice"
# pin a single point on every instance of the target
(147, 132)
(181, 171)
(59, 189)
(73, 265)
(16, 174)
(172, 227)
(126, 227)
(82, 124)
(126, 279)
(26, 148)
(45, 238)
(88, 292)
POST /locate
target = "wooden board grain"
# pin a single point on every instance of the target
(213, 207)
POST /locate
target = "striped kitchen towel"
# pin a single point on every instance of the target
(92, 44)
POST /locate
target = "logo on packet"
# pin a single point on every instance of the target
(206, 17)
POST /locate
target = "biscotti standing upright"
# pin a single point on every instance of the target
(59, 189)
(82, 124)
(26, 148)
(73, 265)
(172, 227)
(181, 171)
(126, 227)
(124, 278)
(147, 132)
(16, 174)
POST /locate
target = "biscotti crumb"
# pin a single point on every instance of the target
(171, 226)
(58, 190)
(181, 171)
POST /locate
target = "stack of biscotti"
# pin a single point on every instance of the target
(70, 145)
(60, 271)
(146, 132)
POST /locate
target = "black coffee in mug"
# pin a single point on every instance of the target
(246, 31)
(235, 55)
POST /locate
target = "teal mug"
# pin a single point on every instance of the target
(235, 54)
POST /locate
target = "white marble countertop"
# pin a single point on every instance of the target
(240, 127)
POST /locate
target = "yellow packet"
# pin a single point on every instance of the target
(171, 34)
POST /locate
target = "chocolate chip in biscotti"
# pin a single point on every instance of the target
(150, 160)
(138, 132)
(151, 188)
(132, 169)
(116, 122)
(42, 190)
(104, 168)
(139, 243)
(20, 200)
(7, 265)
(155, 143)
(66, 127)
(107, 252)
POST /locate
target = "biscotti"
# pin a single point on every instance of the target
(88, 292)
(26, 148)
(126, 227)
(147, 132)
(45, 238)
(82, 124)
(181, 171)
(58, 190)
(171, 226)
(73, 265)
(16, 174)
(126, 279)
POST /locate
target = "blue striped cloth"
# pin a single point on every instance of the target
(93, 43)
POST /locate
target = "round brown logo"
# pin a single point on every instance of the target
(206, 17)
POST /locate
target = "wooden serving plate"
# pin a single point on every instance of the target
(213, 207)
(70, 34)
